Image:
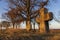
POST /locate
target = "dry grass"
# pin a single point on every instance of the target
(17, 34)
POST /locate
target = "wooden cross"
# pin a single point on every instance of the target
(44, 16)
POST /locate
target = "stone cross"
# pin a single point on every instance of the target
(44, 16)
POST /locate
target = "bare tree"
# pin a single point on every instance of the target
(25, 7)
(5, 24)
(28, 9)
(14, 16)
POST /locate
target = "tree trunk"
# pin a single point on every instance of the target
(16, 26)
(13, 25)
(6, 27)
(28, 25)
(34, 26)
(28, 16)
(1, 27)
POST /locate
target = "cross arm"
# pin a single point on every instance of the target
(49, 16)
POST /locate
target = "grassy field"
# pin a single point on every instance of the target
(17, 34)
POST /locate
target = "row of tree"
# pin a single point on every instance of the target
(24, 10)
(4, 24)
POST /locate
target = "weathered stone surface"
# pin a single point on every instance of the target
(44, 16)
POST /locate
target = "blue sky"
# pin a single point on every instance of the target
(53, 7)
(3, 6)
